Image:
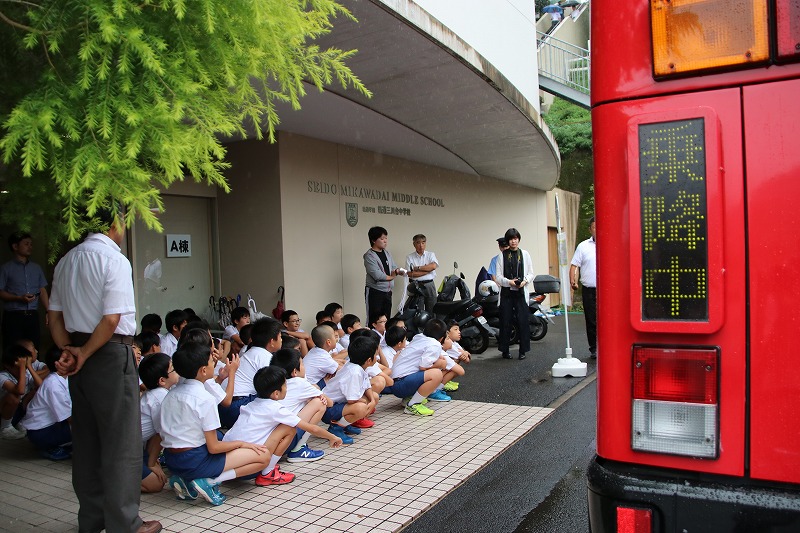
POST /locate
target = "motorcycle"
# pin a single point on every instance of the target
(475, 331)
(489, 293)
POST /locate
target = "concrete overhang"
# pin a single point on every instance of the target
(435, 100)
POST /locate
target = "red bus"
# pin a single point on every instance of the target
(696, 125)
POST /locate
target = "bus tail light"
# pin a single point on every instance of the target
(691, 35)
(631, 520)
(675, 403)
(788, 15)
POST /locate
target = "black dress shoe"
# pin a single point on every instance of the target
(521, 356)
(506, 355)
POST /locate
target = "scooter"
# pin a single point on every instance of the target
(542, 285)
(475, 331)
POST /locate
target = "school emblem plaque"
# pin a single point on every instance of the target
(351, 213)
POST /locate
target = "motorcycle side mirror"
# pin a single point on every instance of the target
(455, 264)
(462, 276)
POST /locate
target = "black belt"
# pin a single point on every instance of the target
(79, 339)
(23, 312)
(425, 281)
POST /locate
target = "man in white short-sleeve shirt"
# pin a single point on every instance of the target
(421, 266)
(92, 318)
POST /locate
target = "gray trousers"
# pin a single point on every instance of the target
(107, 441)
(429, 291)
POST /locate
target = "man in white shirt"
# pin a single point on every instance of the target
(92, 318)
(585, 259)
(421, 266)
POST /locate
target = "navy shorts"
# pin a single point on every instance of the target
(145, 469)
(406, 386)
(229, 415)
(195, 463)
(50, 437)
(321, 384)
(334, 412)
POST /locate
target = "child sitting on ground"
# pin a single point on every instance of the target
(350, 390)
(379, 373)
(304, 400)
(158, 376)
(48, 416)
(18, 383)
(338, 352)
(265, 339)
(455, 352)
(291, 326)
(175, 320)
(417, 372)
(349, 324)
(318, 362)
(395, 339)
(378, 325)
(240, 318)
(40, 367)
(152, 323)
(189, 422)
(266, 420)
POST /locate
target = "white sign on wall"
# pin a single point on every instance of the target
(179, 246)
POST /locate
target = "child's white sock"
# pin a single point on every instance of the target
(225, 476)
(272, 463)
(417, 398)
(5, 423)
(440, 387)
(301, 442)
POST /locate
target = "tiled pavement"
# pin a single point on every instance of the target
(392, 473)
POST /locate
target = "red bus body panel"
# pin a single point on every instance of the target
(616, 333)
(772, 125)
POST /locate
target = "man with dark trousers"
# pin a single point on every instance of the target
(585, 259)
(92, 319)
(381, 271)
(514, 276)
(22, 288)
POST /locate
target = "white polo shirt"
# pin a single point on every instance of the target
(421, 352)
(187, 412)
(318, 363)
(298, 392)
(258, 419)
(150, 406)
(51, 404)
(585, 258)
(253, 360)
(348, 384)
(94, 279)
(168, 344)
(416, 260)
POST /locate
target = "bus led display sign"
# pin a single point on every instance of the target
(673, 221)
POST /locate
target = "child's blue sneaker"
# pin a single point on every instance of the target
(339, 432)
(352, 430)
(58, 453)
(208, 491)
(304, 454)
(439, 396)
(182, 490)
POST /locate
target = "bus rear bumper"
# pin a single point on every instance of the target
(681, 502)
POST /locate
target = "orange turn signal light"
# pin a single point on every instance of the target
(691, 35)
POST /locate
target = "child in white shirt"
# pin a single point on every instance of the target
(266, 420)
(350, 390)
(158, 376)
(417, 372)
(319, 363)
(395, 342)
(189, 422)
(240, 318)
(18, 383)
(48, 417)
(456, 353)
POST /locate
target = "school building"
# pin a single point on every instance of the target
(451, 145)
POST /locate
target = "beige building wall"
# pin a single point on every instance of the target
(461, 215)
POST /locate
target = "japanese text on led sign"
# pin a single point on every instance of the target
(672, 181)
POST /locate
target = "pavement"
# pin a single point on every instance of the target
(446, 472)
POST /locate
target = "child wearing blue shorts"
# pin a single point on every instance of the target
(48, 416)
(189, 422)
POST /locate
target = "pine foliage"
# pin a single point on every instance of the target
(103, 101)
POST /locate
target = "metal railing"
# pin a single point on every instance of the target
(563, 62)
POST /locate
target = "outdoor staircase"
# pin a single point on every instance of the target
(564, 66)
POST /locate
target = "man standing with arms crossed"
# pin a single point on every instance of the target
(421, 265)
(92, 319)
(585, 259)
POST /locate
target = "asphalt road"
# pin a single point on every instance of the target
(537, 485)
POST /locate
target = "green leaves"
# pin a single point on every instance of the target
(110, 99)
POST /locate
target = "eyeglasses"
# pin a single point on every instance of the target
(296, 321)
(381, 322)
(171, 371)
